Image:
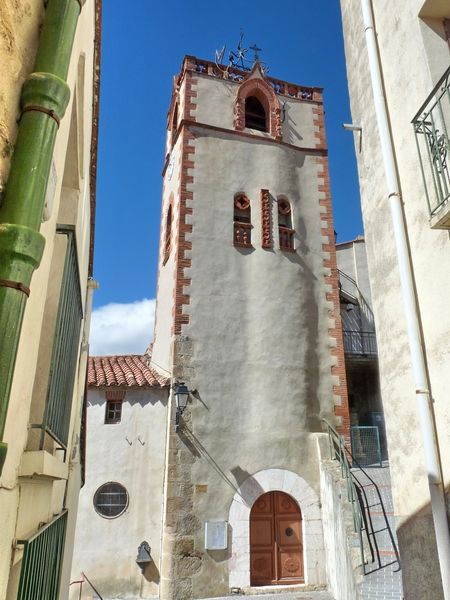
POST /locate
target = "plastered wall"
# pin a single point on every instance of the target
(414, 55)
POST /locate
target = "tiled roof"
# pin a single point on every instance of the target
(129, 371)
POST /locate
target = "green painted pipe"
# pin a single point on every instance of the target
(44, 99)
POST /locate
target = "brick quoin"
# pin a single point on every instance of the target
(182, 244)
(341, 408)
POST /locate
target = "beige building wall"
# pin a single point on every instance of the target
(414, 54)
(35, 480)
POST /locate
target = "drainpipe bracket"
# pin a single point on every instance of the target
(3, 452)
(47, 93)
(21, 249)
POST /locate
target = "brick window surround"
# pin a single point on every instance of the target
(285, 229)
(242, 226)
(256, 86)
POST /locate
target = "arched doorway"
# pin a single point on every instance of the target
(276, 548)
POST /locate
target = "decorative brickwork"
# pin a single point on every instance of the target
(242, 226)
(183, 245)
(266, 220)
(257, 86)
(341, 409)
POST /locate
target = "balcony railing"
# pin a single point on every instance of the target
(56, 418)
(42, 560)
(286, 238)
(431, 127)
(360, 342)
(242, 234)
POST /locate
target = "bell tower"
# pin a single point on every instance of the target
(248, 319)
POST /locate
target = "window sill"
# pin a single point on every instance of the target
(40, 463)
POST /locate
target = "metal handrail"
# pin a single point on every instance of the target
(84, 578)
(338, 452)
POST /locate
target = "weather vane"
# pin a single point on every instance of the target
(238, 58)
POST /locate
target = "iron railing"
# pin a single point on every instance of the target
(431, 128)
(56, 419)
(360, 342)
(80, 582)
(242, 234)
(349, 287)
(42, 560)
(366, 448)
(338, 452)
(286, 235)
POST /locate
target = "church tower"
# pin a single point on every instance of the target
(248, 319)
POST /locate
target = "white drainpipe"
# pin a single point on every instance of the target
(424, 400)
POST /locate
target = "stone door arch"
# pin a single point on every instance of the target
(239, 519)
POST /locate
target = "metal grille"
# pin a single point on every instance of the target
(111, 500)
(360, 342)
(57, 414)
(432, 126)
(42, 560)
(366, 449)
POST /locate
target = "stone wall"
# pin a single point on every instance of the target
(342, 551)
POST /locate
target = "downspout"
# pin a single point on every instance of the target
(416, 342)
(44, 99)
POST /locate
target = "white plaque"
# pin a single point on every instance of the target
(216, 535)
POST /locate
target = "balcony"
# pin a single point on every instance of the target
(360, 343)
(431, 127)
(42, 560)
(286, 238)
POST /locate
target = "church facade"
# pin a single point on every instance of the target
(248, 320)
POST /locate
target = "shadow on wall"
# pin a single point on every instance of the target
(417, 546)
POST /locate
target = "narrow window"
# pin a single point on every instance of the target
(113, 412)
(255, 115)
(242, 221)
(286, 233)
(168, 236)
(174, 125)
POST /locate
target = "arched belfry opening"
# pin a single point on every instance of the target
(276, 541)
(255, 114)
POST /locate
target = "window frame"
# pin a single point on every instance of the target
(99, 490)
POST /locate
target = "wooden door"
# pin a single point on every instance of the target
(276, 551)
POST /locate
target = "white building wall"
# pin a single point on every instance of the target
(130, 453)
(414, 54)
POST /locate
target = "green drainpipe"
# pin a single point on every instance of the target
(44, 99)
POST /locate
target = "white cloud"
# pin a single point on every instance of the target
(122, 328)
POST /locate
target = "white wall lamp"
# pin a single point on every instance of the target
(181, 392)
(351, 127)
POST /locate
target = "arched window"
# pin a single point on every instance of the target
(242, 221)
(168, 234)
(285, 230)
(255, 115)
(174, 124)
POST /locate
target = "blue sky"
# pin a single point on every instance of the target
(142, 49)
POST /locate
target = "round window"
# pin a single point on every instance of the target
(111, 500)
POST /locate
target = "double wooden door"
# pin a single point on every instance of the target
(276, 551)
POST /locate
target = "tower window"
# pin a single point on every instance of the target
(285, 230)
(255, 115)
(242, 221)
(168, 235)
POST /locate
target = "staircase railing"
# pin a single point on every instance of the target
(338, 452)
(85, 579)
(357, 495)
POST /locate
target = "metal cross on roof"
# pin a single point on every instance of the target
(255, 50)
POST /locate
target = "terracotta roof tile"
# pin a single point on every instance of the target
(129, 371)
